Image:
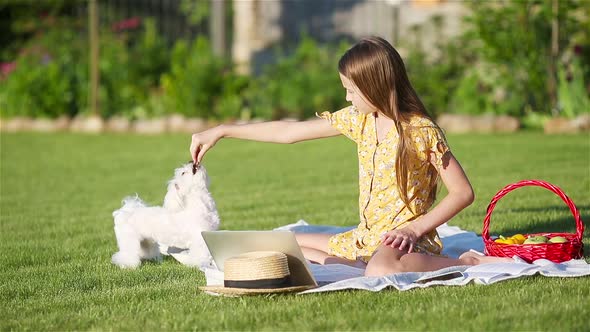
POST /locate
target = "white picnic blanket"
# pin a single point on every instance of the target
(334, 277)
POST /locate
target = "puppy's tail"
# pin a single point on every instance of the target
(130, 203)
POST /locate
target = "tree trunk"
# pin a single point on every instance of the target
(552, 70)
(94, 56)
(217, 27)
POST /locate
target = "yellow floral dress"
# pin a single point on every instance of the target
(380, 206)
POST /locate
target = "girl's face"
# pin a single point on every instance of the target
(357, 99)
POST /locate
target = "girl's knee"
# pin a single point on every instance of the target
(468, 260)
(384, 262)
(380, 270)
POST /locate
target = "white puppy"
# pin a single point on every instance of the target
(144, 232)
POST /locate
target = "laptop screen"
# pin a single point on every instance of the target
(226, 244)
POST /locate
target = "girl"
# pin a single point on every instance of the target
(401, 152)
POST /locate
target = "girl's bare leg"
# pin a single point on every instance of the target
(480, 259)
(314, 255)
(313, 240)
(387, 260)
(315, 248)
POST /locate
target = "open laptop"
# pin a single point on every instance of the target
(226, 244)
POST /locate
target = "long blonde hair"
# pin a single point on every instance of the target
(377, 70)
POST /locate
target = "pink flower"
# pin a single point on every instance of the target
(130, 23)
(6, 68)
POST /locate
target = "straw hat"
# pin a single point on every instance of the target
(257, 272)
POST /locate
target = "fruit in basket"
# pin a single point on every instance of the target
(558, 239)
(504, 241)
(518, 238)
(514, 239)
(539, 239)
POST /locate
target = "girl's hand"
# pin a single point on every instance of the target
(203, 141)
(401, 239)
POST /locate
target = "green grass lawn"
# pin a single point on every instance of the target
(56, 234)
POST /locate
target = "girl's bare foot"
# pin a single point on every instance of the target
(472, 258)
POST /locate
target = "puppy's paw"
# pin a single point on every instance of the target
(126, 260)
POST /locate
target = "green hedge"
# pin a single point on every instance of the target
(499, 64)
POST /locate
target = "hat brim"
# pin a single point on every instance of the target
(253, 291)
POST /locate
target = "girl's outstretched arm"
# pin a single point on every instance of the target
(460, 195)
(274, 131)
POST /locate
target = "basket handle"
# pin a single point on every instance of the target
(486, 222)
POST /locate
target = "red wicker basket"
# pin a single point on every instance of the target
(556, 252)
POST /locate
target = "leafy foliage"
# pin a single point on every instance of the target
(572, 94)
(51, 76)
(47, 79)
(300, 85)
(433, 74)
(511, 43)
(194, 78)
(22, 19)
(502, 63)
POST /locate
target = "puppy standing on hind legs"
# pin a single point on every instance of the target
(145, 232)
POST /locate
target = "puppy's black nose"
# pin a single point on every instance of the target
(195, 166)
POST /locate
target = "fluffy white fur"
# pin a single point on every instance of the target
(145, 232)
